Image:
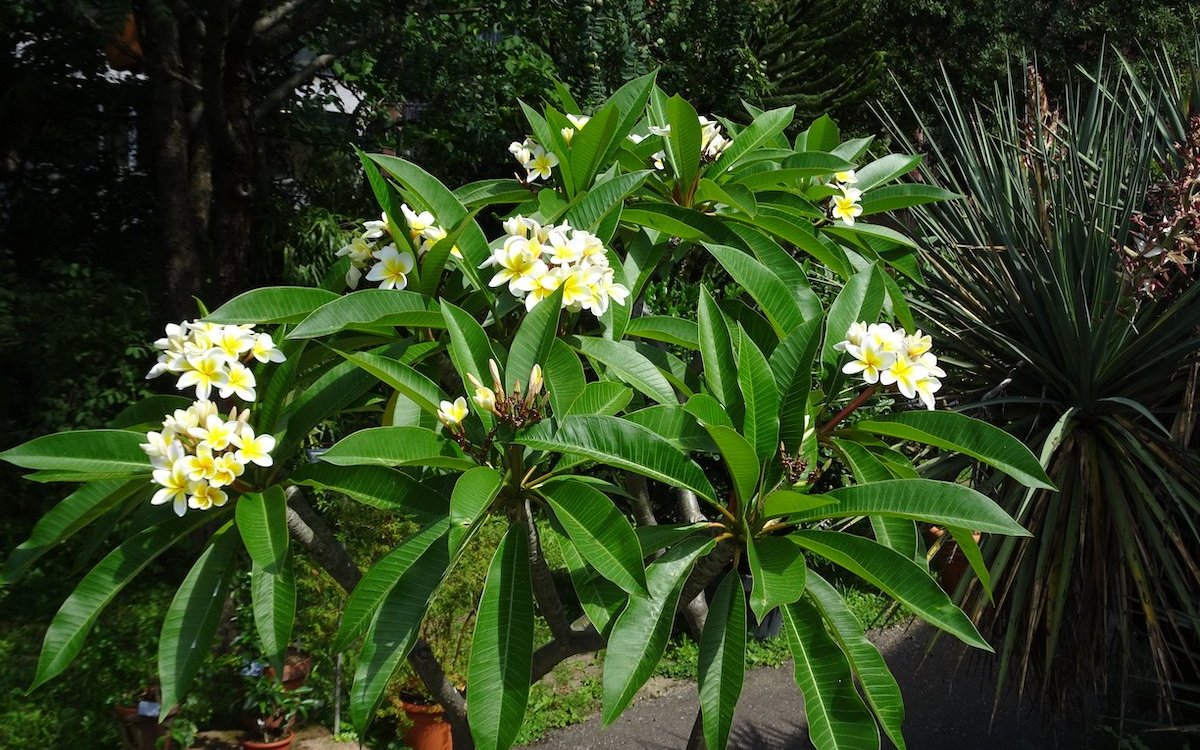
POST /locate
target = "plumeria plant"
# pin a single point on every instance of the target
(521, 375)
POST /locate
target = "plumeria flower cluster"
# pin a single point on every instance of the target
(534, 157)
(846, 206)
(197, 453)
(211, 356)
(712, 141)
(521, 408)
(536, 260)
(388, 264)
(887, 356)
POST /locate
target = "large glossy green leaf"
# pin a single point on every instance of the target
(105, 452)
(895, 574)
(397, 446)
(722, 662)
(765, 127)
(716, 352)
(601, 397)
(618, 442)
(588, 146)
(531, 344)
(761, 397)
(837, 718)
(599, 531)
(273, 304)
(473, 495)
(944, 503)
(665, 328)
(71, 514)
(502, 649)
(470, 350)
(791, 362)
(786, 502)
(148, 412)
(639, 634)
(683, 143)
(675, 425)
(739, 458)
(963, 434)
(805, 237)
(273, 599)
(395, 626)
(626, 364)
(378, 582)
(483, 193)
(368, 309)
(878, 684)
(893, 531)
(588, 209)
(78, 613)
(262, 524)
(777, 566)
(423, 391)
(378, 486)
(564, 377)
(767, 289)
(860, 300)
(885, 169)
(193, 616)
(896, 197)
(600, 598)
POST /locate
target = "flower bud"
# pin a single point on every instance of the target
(485, 398)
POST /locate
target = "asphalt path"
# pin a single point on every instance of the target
(945, 707)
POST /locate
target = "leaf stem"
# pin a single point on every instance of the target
(850, 409)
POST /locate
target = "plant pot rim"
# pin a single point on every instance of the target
(422, 708)
(283, 741)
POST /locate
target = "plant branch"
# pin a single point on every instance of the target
(549, 603)
(639, 494)
(850, 409)
(285, 87)
(551, 654)
(706, 570)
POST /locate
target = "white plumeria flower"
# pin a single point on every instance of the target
(264, 349)
(854, 336)
(175, 486)
(228, 469)
(917, 344)
(926, 387)
(240, 380)
(205, 496)
(163, 449)
(544, 286)
(485, 398)
(376, 229)
(252, 449)
(869, 361)
(516, 226)
(578, 121)
(581, 289)
(540, 164)
(536, 381)
(353, 276)
(613, 291)
(635, 139)
(417, 222)
(522, 152)
(930, 363)
(562, 251)
(904, 373)
(664, 130)
(519, 267)
(846, 178)
(884, 338)
(392, 269)
(846, 208)
(202, 466)
(214, 432)
(591, 248)
(452, 414)
(659, 159)
(204, 371)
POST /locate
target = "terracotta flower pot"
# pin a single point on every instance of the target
(281, 744)
(949, 562)
(429, 730)
(297, 666)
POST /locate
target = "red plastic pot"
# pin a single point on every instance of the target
(429, 730)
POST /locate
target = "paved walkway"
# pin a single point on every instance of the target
(943, 709)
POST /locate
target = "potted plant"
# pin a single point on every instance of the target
(273, 710)
(297, 666)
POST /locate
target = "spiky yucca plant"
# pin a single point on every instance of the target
(1027, 287)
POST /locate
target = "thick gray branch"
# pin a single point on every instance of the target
(549, 603)
(551, 654)
(695, 611)
(707, 569)
(639, 493)
(271, 18)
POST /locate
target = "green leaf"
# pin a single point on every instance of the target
(675, 425)
(626, 364)
(434, 261)
(110, 452)
(397, 446)
(960, 433)
(896, 575)
(382, 578)
(787, 502)
(377, 486)
(801, 167)
(804, 237)
(791, 362)
(707, 410)
(564, 377)
(892, 531)
(657, 537)
(741, 460)
(601, 397)
(716, 352)
(262, 524)
(588, 209)
(588, 146)
(367, 309)
(731, 194)
(599, 531)
(722, 663)
(822, 135)
(896, 197)
(777, 566)
(639, 634)
(683, 143)
(761, 397)
(485, 193)
(531, 344)
(837, 718)
(878, 684)
(860, 300)
(765, 127)
(470, 350)
(148, 412)
(73, 513)
(273, 304)
(502, 649)
(395, 626)
(423, 391)
(600, 598)
(665, 328)
(473, 495)
(884, 170)
(273, 599)
(78, 613)
(623, 444)
(767, 289)
(193, 616)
